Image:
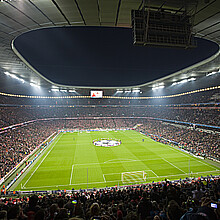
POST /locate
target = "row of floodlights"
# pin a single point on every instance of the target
(134, 90)
(34, 84)
(184, 81)
(62, 90)
(212, 73)
(161, 85)
(158, 86)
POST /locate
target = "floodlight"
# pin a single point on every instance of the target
(7, 73)
(212, 73)
(175, 83)
(191, 79)
(157, 87)
(183, 81)
(34, 85)
(55, 90)
(136, 90)
(119, 91)
(14, 76)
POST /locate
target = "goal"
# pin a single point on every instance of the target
(133, 177)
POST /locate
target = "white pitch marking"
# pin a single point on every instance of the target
(173, 165)
(128, 161)
(190, 156)
(42, 161)
(204, 163)
(71, 174)
(183, 174)
(154, 173)
(37, 187)
(119, 160)
(104, 178)
(124, 172)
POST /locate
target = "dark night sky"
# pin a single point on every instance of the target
(98, 56)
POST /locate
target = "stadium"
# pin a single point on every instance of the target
(110, 109)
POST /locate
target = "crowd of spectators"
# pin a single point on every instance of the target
(197, 141)
(14, 115)
(188, 199)
(16, 110)
(15, 144)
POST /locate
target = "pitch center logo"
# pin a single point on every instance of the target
(107, 142)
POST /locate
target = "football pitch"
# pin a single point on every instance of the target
(73, 161)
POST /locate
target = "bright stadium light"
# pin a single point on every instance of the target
(34, 82)
(14, 76)
(34, 85)
(212, 73)
(128, 90)
(191, 79)
(7, 73)
(184, 81)
(72, 90)
(175, 83)
(63, 90)
(157, 87)
(136, 90)
(119, 91)
(55, 90)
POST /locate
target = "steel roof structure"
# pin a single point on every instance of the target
(20, 16)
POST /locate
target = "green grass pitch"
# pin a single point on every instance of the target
(72, 159)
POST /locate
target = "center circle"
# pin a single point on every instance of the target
(107, 142)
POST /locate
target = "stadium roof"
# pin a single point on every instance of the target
(18, 16)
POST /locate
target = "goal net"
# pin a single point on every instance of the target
(133, 177)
